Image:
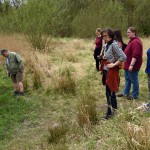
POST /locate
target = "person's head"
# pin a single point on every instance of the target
(118, 35)
(108, 35)
(98, 31)
(131, 32)
(4, 52)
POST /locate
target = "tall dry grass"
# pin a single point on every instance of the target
(57, 133)
(39, 68)
(42, 66)
(86, 114)
(137, 136)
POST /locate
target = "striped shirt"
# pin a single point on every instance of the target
(113, 52)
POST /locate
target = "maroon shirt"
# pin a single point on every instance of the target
(134, 50)
(98, 42)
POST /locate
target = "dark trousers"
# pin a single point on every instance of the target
(111, 101)
(97, 64)
(97, 53)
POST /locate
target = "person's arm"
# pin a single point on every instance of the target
(103, 44)
(119, 53)
(20, 62)
(112, 65)
(132, 64)
(7, 68)
(136, 54)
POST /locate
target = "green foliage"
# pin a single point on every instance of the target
(38, 40)
(99, 14)
(63, 18)
(143, 22)
(13, 110)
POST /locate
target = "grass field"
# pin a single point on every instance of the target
(65, 100)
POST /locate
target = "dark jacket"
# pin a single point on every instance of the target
(147, 70)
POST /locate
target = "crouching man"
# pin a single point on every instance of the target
(15, 66)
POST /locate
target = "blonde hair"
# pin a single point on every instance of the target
(99, 30)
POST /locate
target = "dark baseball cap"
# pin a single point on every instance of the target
(3, 51)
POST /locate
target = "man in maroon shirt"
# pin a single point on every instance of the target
(134, 52)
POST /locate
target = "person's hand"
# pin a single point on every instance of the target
(130, 68)
(104, 57)
(98, 56)
(111, 65)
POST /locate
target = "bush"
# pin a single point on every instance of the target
(38, 41)
(65, 82)
(57, 133)
(86, 115)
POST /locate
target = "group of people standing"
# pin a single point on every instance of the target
(111, 54)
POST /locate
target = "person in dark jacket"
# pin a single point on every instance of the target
(147, 70)
(146, 106)
(97, 51)
(15, 66)
(134, 53)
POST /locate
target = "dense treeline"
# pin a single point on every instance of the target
(73, 17)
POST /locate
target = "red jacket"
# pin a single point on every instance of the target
(134, 50)
(112, 79)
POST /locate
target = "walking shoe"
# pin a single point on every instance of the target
(131, 98)
(106, 117)
(120, 95)
(21, 93)
(16, 93)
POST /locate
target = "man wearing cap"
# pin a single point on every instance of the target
(14, 65)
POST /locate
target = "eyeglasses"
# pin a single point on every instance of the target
(105, 35)
(129, 32)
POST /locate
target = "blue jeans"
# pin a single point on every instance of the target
(131, 77)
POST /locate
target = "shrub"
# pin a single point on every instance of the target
(65, 82)
(87, 115)
(57, 133)
(33, 73)
(38, 41)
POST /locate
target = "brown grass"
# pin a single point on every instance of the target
(39, 65)
(87, 115)
(137, 136)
